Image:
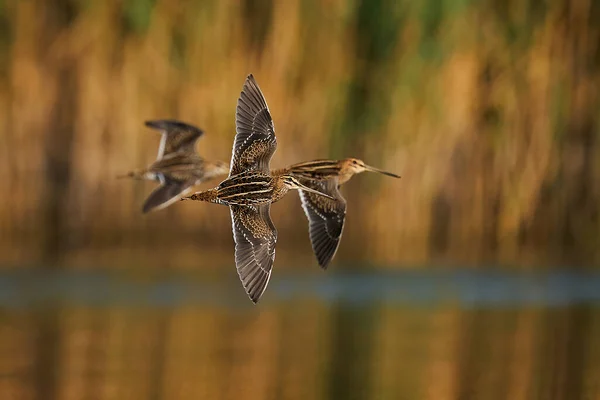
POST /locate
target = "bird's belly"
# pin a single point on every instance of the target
(244, 201)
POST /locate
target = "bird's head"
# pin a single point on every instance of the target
(357, 166)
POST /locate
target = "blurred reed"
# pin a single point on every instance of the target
(300, 351)
(489, 110)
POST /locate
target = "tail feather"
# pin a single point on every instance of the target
(209, 195)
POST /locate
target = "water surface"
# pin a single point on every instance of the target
(431, 334)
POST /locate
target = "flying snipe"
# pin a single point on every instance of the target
(326, 216)
(177, 167)
(251, 188)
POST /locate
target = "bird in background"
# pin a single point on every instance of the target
(326, 216)
(178, 167)
(251, 188)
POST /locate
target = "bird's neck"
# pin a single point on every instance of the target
(278, 172)
(344, 176)
(279, 188)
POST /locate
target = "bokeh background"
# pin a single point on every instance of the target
(489, 110)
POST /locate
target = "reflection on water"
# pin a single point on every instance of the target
(412, 335)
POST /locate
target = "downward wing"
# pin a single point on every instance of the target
(255, 141)
(177, 136)
(325, 218)
(166, 194)
(255, 237)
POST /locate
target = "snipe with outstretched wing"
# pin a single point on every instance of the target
(251, 188)
(178, 166)
(326, 216)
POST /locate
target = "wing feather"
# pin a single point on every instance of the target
(166, 194)
(325, 218)
(255, 237)
(255, 140)
(177, 136)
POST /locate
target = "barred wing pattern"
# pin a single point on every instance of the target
(177, 136)
(325, 217)
(255, 237)
(255, 141)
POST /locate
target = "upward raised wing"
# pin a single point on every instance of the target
(177, 136)
(325, 218)
(255, 140)
(255, 237)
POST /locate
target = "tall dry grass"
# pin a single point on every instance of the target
(488, 110)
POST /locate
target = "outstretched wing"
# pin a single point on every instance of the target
(177, 136)
(255, 140)
(325, 218)
(166, 194)
(255, 237)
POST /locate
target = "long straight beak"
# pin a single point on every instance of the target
(373, 169)
(306, 188)
(136, 174)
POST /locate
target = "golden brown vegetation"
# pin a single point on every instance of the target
(489, 110)
(300, 351)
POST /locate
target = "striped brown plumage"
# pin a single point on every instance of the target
(326, 217)
(178, 167)
(251, 188)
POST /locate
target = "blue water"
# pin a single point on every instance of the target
(466, 288)
(337, 334)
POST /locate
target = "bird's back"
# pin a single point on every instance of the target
(247, 188)
(315, 170)
(180, 167)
